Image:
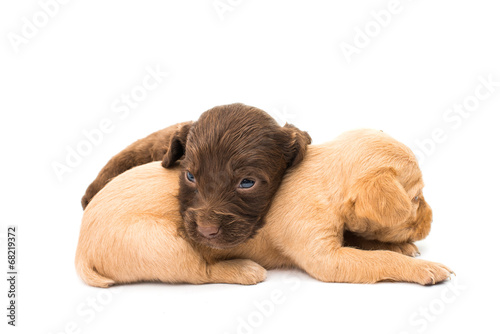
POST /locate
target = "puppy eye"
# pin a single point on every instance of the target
(246, 183)
(415, 199)
(189, 176)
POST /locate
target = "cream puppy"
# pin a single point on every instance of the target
(349, 212)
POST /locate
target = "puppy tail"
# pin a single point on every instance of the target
(91, 277)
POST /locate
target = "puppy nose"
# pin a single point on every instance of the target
(209, 231)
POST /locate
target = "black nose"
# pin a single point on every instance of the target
(209, 231)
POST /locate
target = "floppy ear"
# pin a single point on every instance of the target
(177, 146)
(380, 197)
(296, 146)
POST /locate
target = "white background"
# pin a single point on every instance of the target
(284, 57)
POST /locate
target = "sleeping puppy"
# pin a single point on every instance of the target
(234, 158)
(350, 212)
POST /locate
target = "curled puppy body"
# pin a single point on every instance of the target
(350, 212)
(362, 191)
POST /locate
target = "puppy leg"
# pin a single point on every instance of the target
(324, 258)
(197, 271)
(349, 265)
(142, 151)
(119, 164)
(355, 241)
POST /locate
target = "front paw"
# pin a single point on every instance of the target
(249, 272)
(429, 273)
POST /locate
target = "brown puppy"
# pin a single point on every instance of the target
(349, 212)
(234, 159)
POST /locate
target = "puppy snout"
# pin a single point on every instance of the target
(209, 231)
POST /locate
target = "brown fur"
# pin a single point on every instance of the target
(348, 213)
(226, 145)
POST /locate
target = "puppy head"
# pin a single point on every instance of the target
(393, 205)
(234, 159)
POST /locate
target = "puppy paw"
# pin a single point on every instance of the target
(429, 273)
(251, 272)
(407, 248)
(238, 271)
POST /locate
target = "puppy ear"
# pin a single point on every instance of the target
(380, 197)
(296, 146)
(177, 146)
